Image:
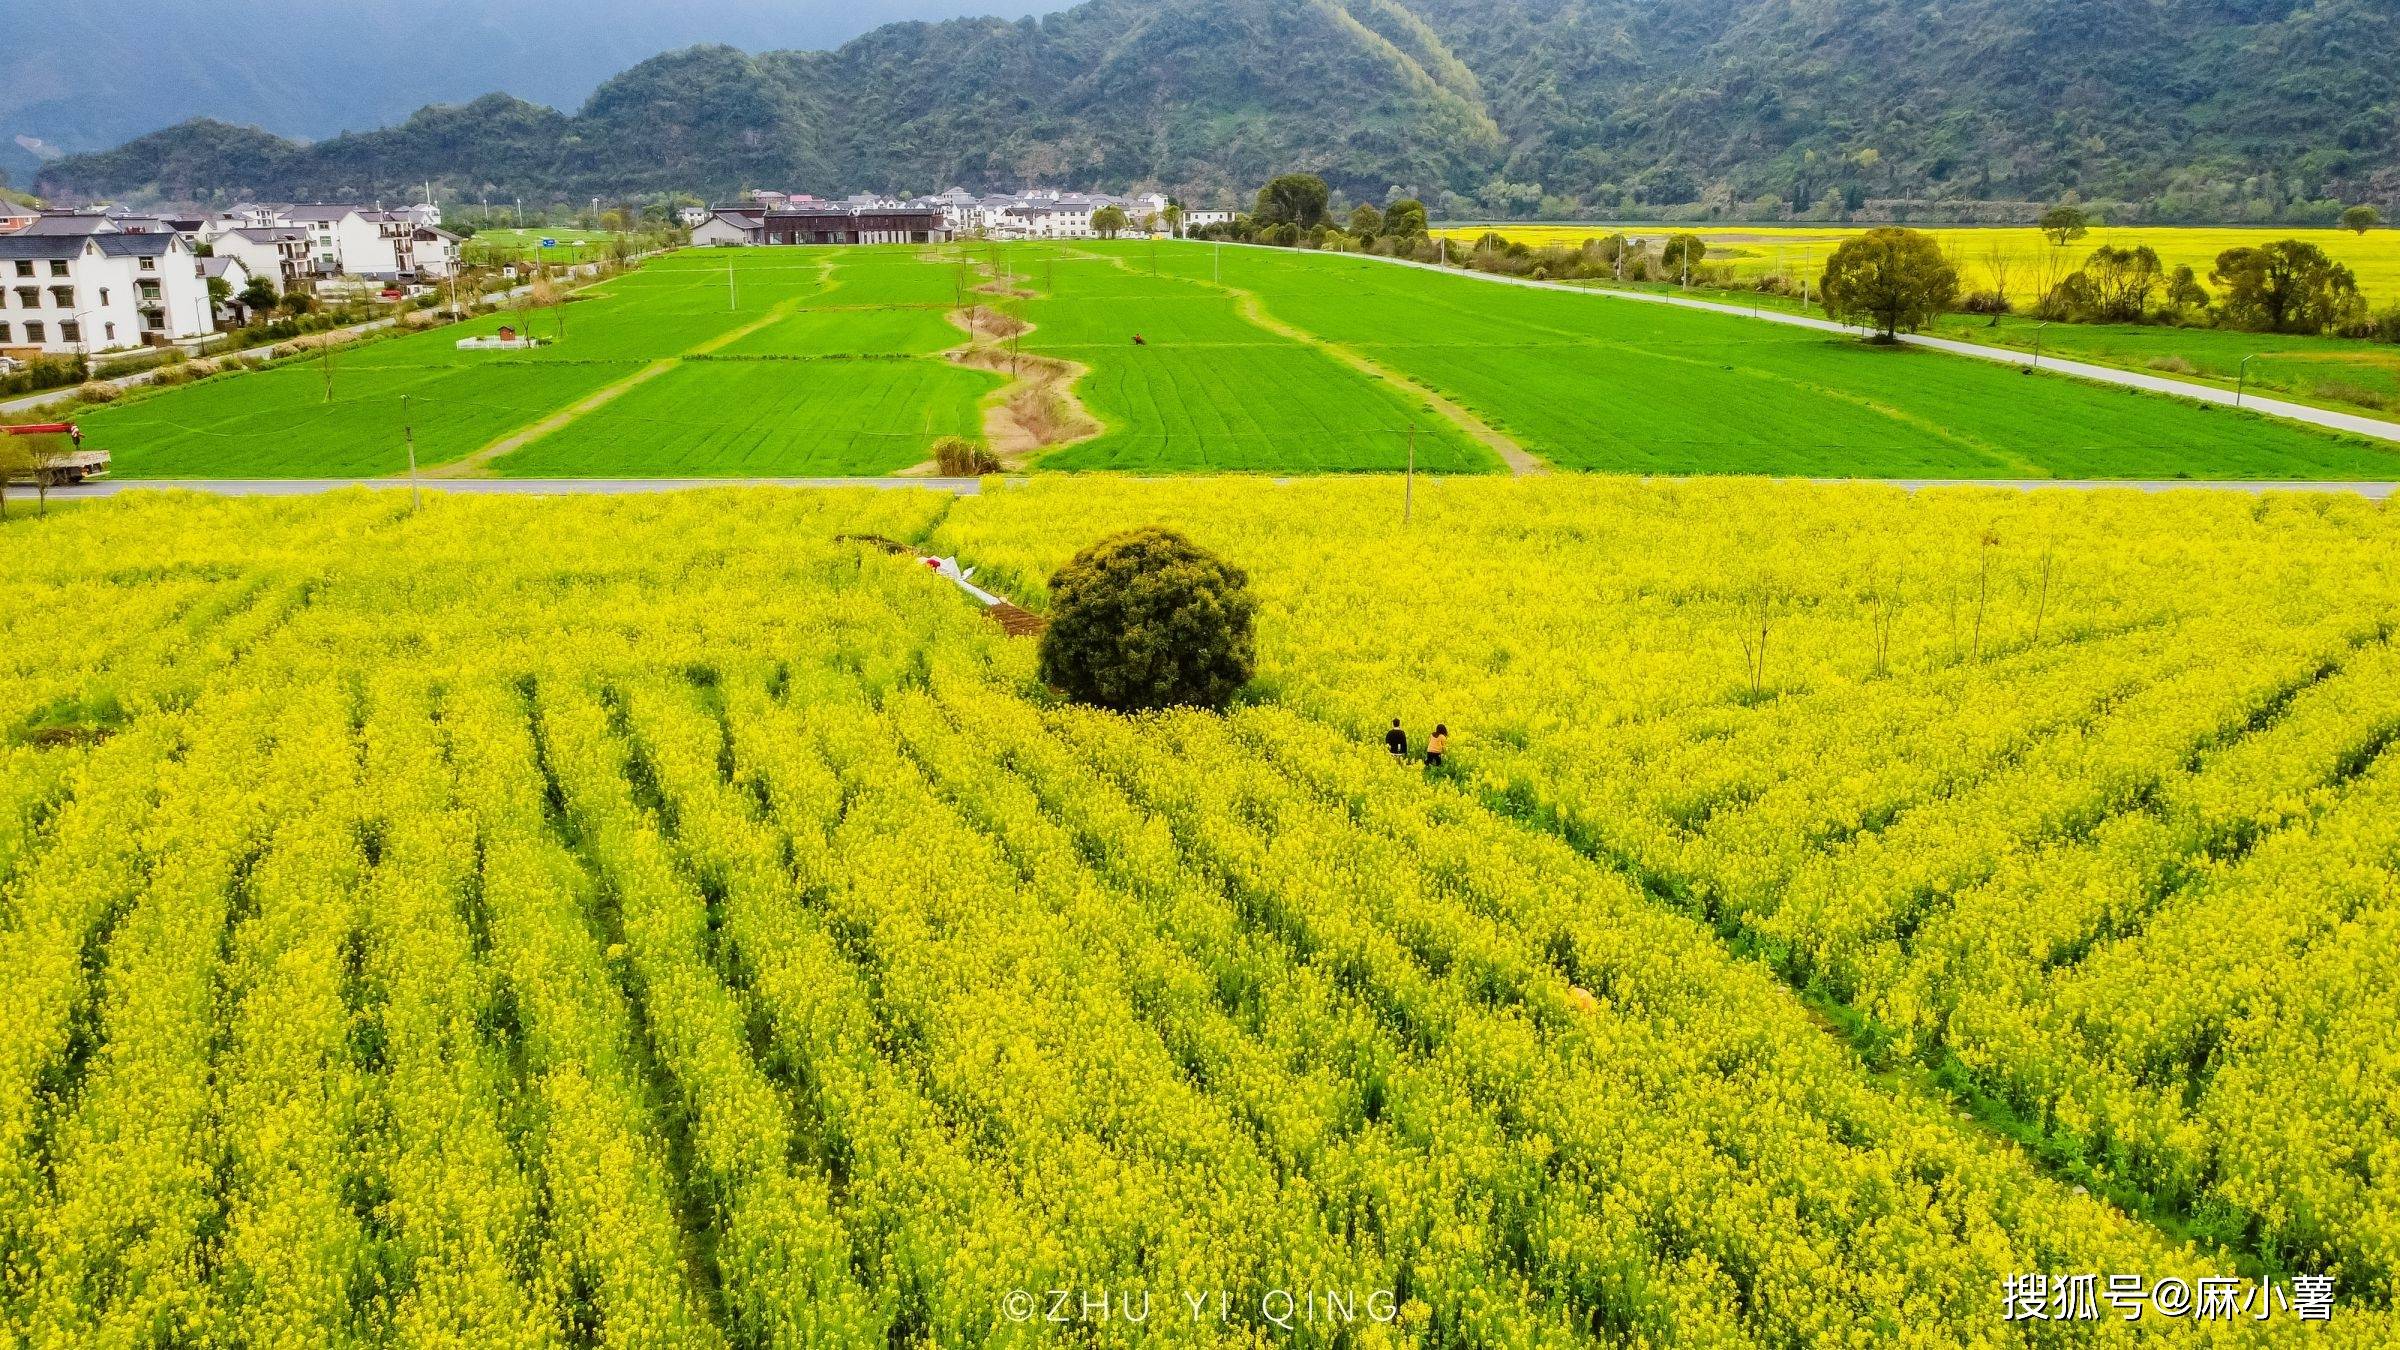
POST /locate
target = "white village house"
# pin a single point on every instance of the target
(1036, 213)
(277, 252)
(400, 245)
(103, 291)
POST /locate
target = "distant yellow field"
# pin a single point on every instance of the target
(1761, 249)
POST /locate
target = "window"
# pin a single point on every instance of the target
(29, 297)
(148, 265)
(111, 330)
(24, 267)
(33, 331)
(63, 296)
(58, 267)
(70, 331)
(104, 297)
(3, 334)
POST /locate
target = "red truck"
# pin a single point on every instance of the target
(61, 468)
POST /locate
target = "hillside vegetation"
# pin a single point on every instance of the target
(2203, 109)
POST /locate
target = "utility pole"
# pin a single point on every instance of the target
(731, 303)
(2241, 382)
(408, 437)
(2037, 354)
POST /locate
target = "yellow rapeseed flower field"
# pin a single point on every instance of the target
(674, 920)
(2026, 254)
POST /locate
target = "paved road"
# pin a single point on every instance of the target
(505, 487)
(968, 487)
(2348, 423)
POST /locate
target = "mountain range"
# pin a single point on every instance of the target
(84, 75)
(2194, 109)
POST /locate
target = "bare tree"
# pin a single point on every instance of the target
(1755, 625)
(1998, 261)
(1983, 590)
(2041, 608)
(1883, 613)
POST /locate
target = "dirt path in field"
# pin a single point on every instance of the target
(1520, 461)
(477, 463)
(1036, 411)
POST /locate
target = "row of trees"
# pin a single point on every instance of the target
(2283, 286)
(1297, 210)
(1894, 279)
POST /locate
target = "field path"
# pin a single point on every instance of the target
(477, 463)
(1037, 411)
(967, 487)
(2321, 418)
(1521, 462)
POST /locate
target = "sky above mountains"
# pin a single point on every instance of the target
(86, 75)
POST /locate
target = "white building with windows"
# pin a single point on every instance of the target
(280, 253)
(369, 242)
(1035, 213)
(89, 293)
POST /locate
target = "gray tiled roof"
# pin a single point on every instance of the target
(25, 244)
(67, 223)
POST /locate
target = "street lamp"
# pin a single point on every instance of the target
(2241, 380)
(2037, 342)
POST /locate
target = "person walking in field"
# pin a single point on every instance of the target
(1396, 741)
(1436, 746)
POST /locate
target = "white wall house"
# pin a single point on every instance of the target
(375, 244)
(279, 253)
(236, 276)
(99, 292)
(725, 229)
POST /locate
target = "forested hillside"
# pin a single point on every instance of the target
(84, 76)
(2199, 109)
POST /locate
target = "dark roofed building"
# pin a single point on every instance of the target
(876, 226)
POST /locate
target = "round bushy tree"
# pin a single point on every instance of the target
(1890, 279)
(1148, 619)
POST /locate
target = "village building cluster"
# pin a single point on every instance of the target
(86, 282)
(762, 217)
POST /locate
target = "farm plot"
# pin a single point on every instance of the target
(2081, 806)
(875, 302)
(569, 244)
(1595, 383)
(686, 928)
(2334, 371)
(766, 418)
(278, 423)
(1217, 391)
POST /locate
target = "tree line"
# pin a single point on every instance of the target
(1892, 279)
